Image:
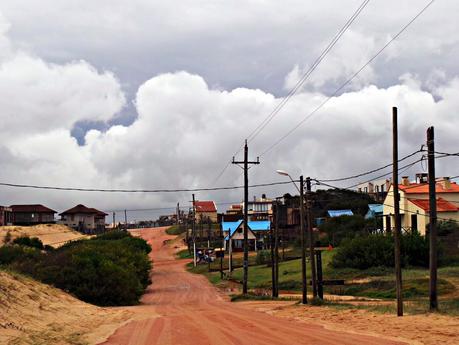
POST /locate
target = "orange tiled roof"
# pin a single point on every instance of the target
(442, 205)
(423, 188)
(205, 206)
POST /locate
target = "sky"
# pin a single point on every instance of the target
(156, 95)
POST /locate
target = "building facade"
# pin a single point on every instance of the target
(32, 214)
(6, 216)
(205, 210)
(414, 204)
(84, 219)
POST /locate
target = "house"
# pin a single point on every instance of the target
(205, 209)
(84, 219)
(339, 213)
(31, 214)
(260, 209)
(257, 234)
(377, 188)
(6, 215)
(414, 203)
(374, 210)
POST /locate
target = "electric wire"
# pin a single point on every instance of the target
(307, 117)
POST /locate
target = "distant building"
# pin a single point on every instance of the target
(206, 209)
(414, 203)
(6, 215)
(339, 213)
(260, 209)
(257, 234)
(31, 214)
(374, 210)
(377, 188)
(84, 219)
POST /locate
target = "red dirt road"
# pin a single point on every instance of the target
(184, 308)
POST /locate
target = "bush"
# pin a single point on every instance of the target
(106, 270)
(33, 242)
(447, 227)
(339, 228)
(10, 254)
(378, 250)
(263, 257)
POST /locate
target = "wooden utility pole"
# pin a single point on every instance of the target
(397, 230)
(304, 299)
(311, 238)
(276, 250)
(193, 233)
(113, 220)
(125, 220)
(433, 300)
(246, 202)
(178, 214)
(273, 268)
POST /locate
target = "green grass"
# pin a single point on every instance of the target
(175, 230)
(184, 254)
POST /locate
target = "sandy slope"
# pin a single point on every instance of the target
(183, 308)
(35, 313)
(53, 234)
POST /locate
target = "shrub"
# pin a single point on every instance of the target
(263, 257)
(339, 228)
(447, 227)
(33, 242)
(10, 254)
(7, 238)
(378, 250)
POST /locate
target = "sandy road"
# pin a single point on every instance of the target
(183, 308)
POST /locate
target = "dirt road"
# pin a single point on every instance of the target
(183, 308)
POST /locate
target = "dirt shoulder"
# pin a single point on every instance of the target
(427, 329)
(35, 313)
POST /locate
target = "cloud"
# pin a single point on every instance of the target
(185, 129)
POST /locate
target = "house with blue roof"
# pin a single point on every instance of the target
(339, 213)
(257, 234)
(374, 210)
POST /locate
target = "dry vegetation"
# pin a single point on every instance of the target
(35, 313)
(52, 234)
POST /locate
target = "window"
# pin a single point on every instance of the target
(366, 189)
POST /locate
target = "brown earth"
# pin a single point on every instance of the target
(183, 308)
(34, 313)
(54, 235)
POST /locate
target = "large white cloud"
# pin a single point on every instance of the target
(187, 129)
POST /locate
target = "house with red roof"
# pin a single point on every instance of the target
(31, 214)
(414, 203)
(84, 219)
(205, 209)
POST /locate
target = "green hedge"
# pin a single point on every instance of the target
(375, 250)
(110, 269)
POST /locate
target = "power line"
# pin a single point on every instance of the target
(297, 86)
(370, 171)
(306, 75)
(15, 185)
(347, 81)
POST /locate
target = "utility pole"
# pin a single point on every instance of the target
(178, 214)
(273, 268)
(303, 247)
(113, 220)
(311, 238)
(246, 201)
(433, 300)
(276, 250)
(397, 230)
(125, 220)
(193, 233)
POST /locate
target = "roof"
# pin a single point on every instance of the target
(256, 225)
(205, 206)
(338, 213)
(36, 208)
(423, 188)
(376, 208)
(83, 209)
(442, 205)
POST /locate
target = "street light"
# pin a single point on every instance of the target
(303, 240)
